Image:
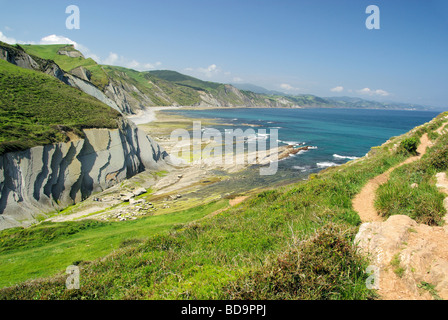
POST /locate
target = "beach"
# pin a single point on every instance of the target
(184, 185)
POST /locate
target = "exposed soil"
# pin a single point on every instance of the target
(364, 201)
(412, 258)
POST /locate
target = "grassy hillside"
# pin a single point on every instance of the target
(50, 52)
(411, 189)
(45, 249)
(160, 91)
(184, 80)
(290, 243)
(36, 108)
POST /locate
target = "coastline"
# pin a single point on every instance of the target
(184, 186)
(195, 182)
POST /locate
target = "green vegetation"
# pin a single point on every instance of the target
(187, 81)
(215, 257)
(409, 145)
(159, 91)
(324, 267)
(295, 242)
(37, 109)
(411, 188)
(398, 269)
(50, 52)
(430, 288)
(66, 63)
(45, 249)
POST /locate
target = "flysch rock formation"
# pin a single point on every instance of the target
(44, 179)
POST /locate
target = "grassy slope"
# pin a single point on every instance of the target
(160, 91)
(50, 52)
(33, 105)
(47, 248)
(423, 202)
(184, 80)
(247, 252)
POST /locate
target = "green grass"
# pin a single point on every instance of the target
(294, 242)
(45, 249)
(422, 202)
(431, 289)
(50, 52)
(206, 259)
(184, 80)
(159, 91)
(36, 108)
(398, 269)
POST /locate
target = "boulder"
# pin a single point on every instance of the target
(139, 191)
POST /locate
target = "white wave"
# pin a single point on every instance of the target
(291, 143)
(259, 137)
(326, 164)
(312, 148)
(302, 169)
(336, 156)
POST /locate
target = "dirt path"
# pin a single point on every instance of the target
(420, 252)
(364, 201)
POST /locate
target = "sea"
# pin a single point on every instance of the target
(334, 135)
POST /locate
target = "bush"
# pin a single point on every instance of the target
(409, 145)
(439, 158)
(325, 266)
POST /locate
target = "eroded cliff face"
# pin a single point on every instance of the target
(42, 180)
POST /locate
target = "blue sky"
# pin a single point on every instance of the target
(303, 46)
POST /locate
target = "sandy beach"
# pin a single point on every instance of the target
(148, 115)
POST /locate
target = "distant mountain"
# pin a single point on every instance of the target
(257, 89)
(351, 102)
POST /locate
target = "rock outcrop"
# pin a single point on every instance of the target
(71, 52)
(411, 257)
(48, 178)
(82, 73)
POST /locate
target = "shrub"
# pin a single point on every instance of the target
(326, 266)
(439, 158)
(409, 145)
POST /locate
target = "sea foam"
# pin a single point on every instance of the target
(326, 164)
(336, 156)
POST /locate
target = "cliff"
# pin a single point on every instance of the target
(59, 145)
(47, 178)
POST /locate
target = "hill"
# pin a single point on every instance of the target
(132, 90)
(257, 89)
(350, 102)
(37, 109)
(61, 139)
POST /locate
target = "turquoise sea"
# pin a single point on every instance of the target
(337, 135)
